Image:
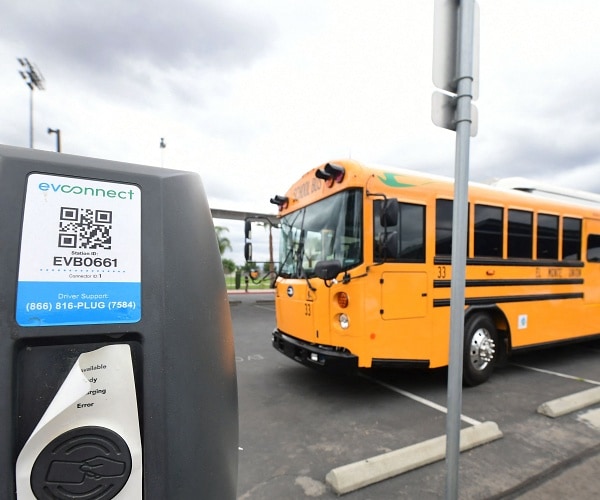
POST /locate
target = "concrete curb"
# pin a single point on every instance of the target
(570, 403)
(357, 475)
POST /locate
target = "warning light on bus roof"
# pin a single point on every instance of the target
(331, 173)
(280, 201)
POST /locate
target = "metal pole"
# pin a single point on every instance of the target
(31, 118)
(57, 132)
(271, 263)
(33, 79)
(459, 244)
(163, 145)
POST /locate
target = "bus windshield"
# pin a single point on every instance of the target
(330, 229)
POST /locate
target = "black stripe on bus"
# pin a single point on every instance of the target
(515, 282)
(478, 301)
(484, 261)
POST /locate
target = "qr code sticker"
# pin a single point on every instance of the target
(85, 228)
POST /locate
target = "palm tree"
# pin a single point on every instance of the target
(222, 241)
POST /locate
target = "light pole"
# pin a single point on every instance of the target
(57, 132)
(163, 145)
(35, 80)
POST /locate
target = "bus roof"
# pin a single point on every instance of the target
(386, 179)
(548, 190)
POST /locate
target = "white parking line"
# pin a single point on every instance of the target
(591, 418)
(359, 474)
(266, 308)
(557, 374)
(569, 403)
(419, 399)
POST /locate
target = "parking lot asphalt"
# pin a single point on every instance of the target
(297, 425)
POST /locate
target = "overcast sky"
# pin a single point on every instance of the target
(253, 94)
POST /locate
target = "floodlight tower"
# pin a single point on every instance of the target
(35, 80)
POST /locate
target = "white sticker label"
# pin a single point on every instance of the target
(80, 260)
(99, 393)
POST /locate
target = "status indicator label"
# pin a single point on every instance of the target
(80, 260)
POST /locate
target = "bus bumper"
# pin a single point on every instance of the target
(313, 355)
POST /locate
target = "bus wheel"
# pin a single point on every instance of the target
(479, 355)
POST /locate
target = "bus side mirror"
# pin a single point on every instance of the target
(389, 214)
(248, 229)
(327, 269)
(248, 251)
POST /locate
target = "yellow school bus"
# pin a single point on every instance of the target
(365, 269)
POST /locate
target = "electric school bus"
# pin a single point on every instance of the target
(117, 367)
(365, 273)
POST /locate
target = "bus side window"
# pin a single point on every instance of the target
(443, 227)
(520, 234)
(405, 241)
(388, 245)
(593, 248)
(571, 239)
(488, 231)
(547, 236)
(386, 238)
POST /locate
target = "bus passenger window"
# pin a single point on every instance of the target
(547, 236)
(443, 227)
(408, 235)
(593, 248)
(520, 234)
(571, 239)
(488, 231)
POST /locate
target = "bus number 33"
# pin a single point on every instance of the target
(441, 272)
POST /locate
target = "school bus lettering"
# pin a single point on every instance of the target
(307, 188)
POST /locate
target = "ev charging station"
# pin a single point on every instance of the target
(117, 366)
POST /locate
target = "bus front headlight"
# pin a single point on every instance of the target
(344, 321)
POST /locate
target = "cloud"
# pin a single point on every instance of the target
(134, 48)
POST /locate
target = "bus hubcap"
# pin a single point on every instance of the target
(482, 349)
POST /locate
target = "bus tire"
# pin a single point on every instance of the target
(481, 344)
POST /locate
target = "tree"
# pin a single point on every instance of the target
(229, 266)
(222, 241)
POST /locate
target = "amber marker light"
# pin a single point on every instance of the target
(342, 300)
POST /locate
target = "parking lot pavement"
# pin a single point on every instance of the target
(297, 424)
(250, 296)
(576, 478)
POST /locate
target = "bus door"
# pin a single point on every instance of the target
(592, 263)
(403, 283)
(403, 295)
